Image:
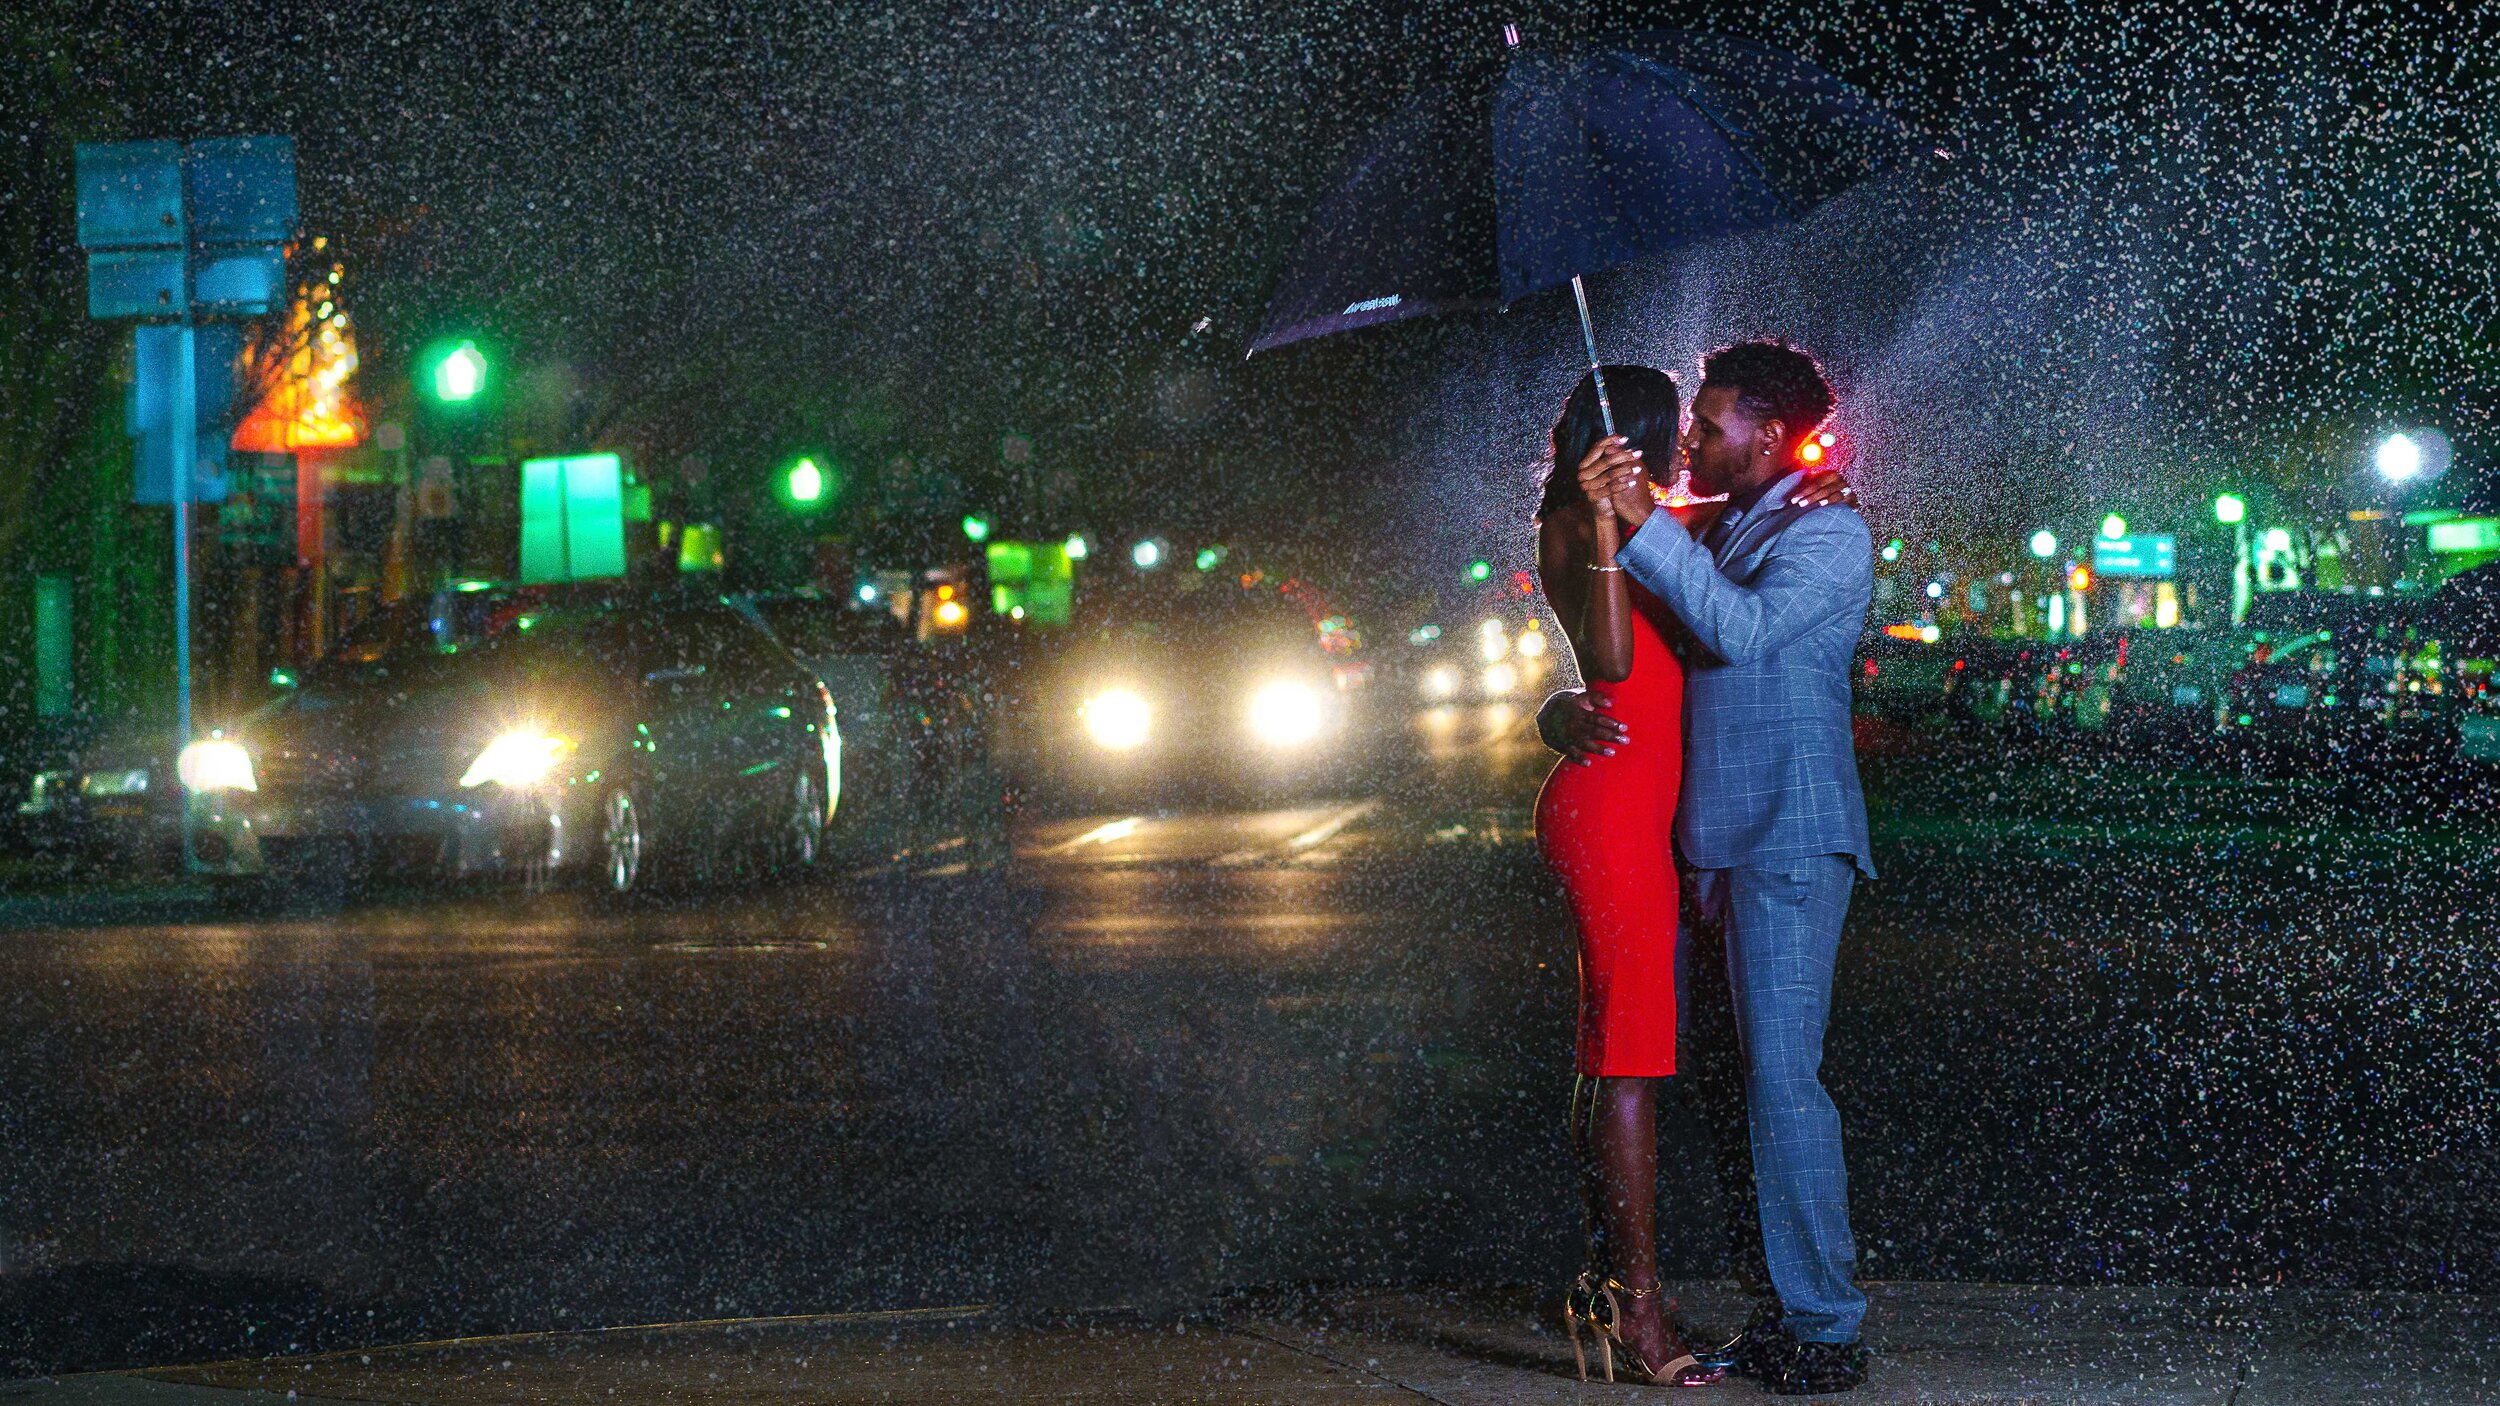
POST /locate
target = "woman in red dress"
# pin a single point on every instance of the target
(1606, 825)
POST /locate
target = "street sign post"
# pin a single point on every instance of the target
(177, 233)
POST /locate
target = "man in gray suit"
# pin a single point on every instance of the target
(1771, 821)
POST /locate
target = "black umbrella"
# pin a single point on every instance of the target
(1568, 164)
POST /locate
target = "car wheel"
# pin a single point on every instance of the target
(803, 827)
(624, 865)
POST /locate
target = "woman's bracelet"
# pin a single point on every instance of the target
(1593, 566)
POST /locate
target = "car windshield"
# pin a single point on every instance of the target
(811, 625)
(415, 637)
(1212, 613)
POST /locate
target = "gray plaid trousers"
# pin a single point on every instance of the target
(1783, 922)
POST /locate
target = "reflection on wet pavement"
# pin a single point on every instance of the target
(1168, 1054)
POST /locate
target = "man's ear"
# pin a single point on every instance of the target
(1772, 435)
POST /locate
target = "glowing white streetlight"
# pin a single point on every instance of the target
(2399, 458)
(2114, 527)
(2044, 544)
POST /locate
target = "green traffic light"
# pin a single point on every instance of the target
(976, 528)
(807, 482)
(1479, 571)
(459, 374)
(2230, 508)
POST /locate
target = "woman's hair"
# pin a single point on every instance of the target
(1648, 412)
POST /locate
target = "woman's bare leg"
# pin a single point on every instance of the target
(1623, 1160)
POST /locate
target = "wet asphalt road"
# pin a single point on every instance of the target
(2094, 1024)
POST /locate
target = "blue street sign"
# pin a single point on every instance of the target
(242, 190)
(156, 371)
(134, 283)
(130, 195)
(236, 282)
(226, 205)
(2144, 554)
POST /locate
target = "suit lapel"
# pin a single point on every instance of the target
(1754, 524)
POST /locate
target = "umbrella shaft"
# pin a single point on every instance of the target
(1588, 334)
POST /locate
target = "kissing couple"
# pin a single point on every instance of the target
(1708, 784)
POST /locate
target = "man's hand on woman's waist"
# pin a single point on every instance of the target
(1576, 724)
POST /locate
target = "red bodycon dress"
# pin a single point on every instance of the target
(1607, 830)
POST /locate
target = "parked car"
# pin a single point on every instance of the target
(625, 739)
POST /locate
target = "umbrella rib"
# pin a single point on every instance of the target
(1728, 129)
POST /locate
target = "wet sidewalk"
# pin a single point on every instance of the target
(1945, 1344)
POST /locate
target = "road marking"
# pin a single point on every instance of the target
(1100, 835)
(697, 948)
(867, 1316)
(1326, 830)
(1303, 843)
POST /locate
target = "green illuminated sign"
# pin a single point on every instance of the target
(572, 518)
(1031, 581)
(2466, 534)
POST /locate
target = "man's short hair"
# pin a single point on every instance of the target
(1772, 381)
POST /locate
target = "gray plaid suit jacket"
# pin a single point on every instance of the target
(1769, 769)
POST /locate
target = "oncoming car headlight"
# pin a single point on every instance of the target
(1285, 714)
(1117, 718)
(216, 764)
(517, 759)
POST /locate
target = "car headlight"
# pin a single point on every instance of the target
(1500, 679)
(216, 764)
(1118, 719)
(1493, 640)
(1441, 683)
(517, 759)
(1285, 714)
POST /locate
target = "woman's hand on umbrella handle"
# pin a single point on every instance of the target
(1824, 488)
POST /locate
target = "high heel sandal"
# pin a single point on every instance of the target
(1598, 1306)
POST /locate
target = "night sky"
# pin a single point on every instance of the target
(2181, 243)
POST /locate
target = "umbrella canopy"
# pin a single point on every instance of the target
(1569, 164)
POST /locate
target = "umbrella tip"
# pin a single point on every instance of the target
(1510, 35)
